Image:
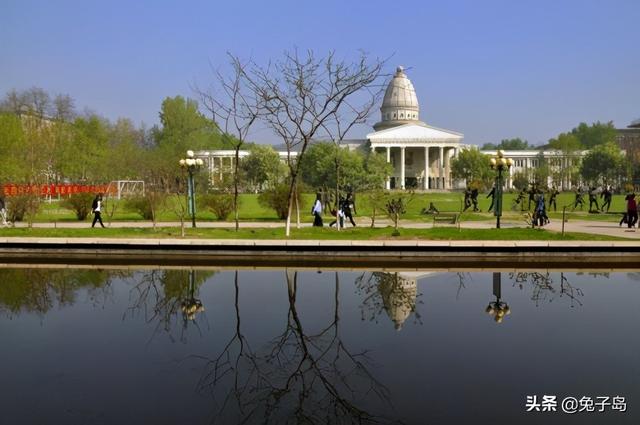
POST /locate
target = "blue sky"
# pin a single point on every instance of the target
(489, 69)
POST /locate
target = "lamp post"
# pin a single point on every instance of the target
(500, 164)
(498, 308)
(191, 164)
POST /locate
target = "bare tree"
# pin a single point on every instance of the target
(235, 110)
(343, 120)
(304, 96)
(63, 108)
(299, 377)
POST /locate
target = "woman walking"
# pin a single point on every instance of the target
(316, 210)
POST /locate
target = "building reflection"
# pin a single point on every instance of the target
(394, 293)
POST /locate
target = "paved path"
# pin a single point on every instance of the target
(582, 226)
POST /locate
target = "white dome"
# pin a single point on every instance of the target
(400, 104)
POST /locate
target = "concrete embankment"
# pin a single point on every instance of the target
(320, 253)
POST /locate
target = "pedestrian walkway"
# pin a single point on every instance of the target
(581, 226)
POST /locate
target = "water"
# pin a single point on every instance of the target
(90, 346)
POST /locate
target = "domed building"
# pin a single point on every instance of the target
(421, 154)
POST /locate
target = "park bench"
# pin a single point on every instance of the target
(446, 217)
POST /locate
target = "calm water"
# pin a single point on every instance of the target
(83, 346)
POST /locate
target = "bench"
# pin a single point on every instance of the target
(448, 218)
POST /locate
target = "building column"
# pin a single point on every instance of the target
(441, 168)
(402, 167)
(388, 182)
(447, 172)
(425, 184)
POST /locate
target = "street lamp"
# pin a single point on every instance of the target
(498, 308)
(501, 164)
(191, 164)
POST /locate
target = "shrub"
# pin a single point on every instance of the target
(19, 207)
(220, 204)
(147, 205)
(80, 203)
(277, 198)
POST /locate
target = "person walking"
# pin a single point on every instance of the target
(540, 213)
(593, 199)
(579, 200)
(3, 212)
(467, 198)
(532, 196)
(316, 210)
(96, 208)
(474, 200)
(492, 195)
(632, 210)
(338, 214)
(552, 198)
(349, 208)
(606, 195)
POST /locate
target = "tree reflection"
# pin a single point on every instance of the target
(37, 290)
(393, 293)
(544, 289)
(299, 377)
(168, 297)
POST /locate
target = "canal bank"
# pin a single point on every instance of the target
(312, 253)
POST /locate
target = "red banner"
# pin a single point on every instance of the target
(12, 189)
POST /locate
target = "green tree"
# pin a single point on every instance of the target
(508, 144)
(318, 167)
(11, 148)
(604, 164)
(376, 171)
(568, 148)
(542, 171)
(262, 167)
(473, 166)
(595, 134)
(183, 128)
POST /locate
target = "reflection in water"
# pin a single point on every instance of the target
(301, 376)
(543, 288)
(165, 296)
(498, 308)
(396, 293)
(39, 290)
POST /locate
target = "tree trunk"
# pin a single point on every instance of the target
(290, 206)
(235, 187)
(297, 208)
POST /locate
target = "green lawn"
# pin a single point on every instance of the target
(324, 233)
(251, 210)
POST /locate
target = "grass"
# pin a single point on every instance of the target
(251, 210)
(311, 233)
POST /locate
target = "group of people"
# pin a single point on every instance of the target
(345, 209)
(606, 195)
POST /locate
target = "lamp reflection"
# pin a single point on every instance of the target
(498, 309)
